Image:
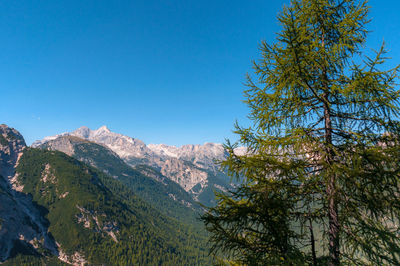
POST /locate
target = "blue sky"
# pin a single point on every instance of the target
(162, 71)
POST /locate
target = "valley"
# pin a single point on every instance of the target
(98, 197)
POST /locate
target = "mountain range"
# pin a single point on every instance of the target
(73, 201)
(192, 167)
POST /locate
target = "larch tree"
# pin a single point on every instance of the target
(320, 177)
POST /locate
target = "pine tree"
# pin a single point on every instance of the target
(320, 178)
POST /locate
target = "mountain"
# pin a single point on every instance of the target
(21, 224)
(191, 166)
(55, 209)
(146, 182)
(202, 156)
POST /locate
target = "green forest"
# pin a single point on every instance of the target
(144, 236)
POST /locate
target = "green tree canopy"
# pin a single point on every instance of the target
(321, 171)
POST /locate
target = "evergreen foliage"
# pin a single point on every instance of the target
(24, 259)
(321, 175)
(149, 189)
(143, 235)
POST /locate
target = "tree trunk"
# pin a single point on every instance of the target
(333, 224)
(333, 232)
(331, 186)
(314, 254)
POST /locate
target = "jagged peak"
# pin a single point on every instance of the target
(212, 144)
(9, 134)
(4, 127)
(82, 132)
(103, 129)
(83, 128)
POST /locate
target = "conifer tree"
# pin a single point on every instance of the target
(320, 178)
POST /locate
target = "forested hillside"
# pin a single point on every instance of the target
(96, 219)
(145, 182)
(192, 167)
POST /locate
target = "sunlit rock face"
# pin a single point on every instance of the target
(11, 145)
(203, 156)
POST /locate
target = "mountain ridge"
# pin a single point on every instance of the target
(144, 180)
(191, 166)
(68, 211)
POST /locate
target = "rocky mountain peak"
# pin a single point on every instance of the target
(103, 129)
(11, 145)
(202, 156)
(83, 132)
(11, 135)
(191, 166)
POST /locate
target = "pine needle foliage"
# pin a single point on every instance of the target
(320, 178)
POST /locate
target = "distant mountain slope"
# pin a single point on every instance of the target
(190, 166)
(202, 156)
(146, 182)
(61, 207)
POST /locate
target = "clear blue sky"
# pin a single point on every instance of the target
(162, 71)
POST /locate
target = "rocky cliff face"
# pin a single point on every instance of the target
(64, 144)
(21, 224)
(183, 173)
(202, 156)
(191, 166)
(11, 146)
(124, 146)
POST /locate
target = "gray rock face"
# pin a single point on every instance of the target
(126, 147)
(65, 144)
(20, 221)
(11, 146)
(202, 156)
(183, 173)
